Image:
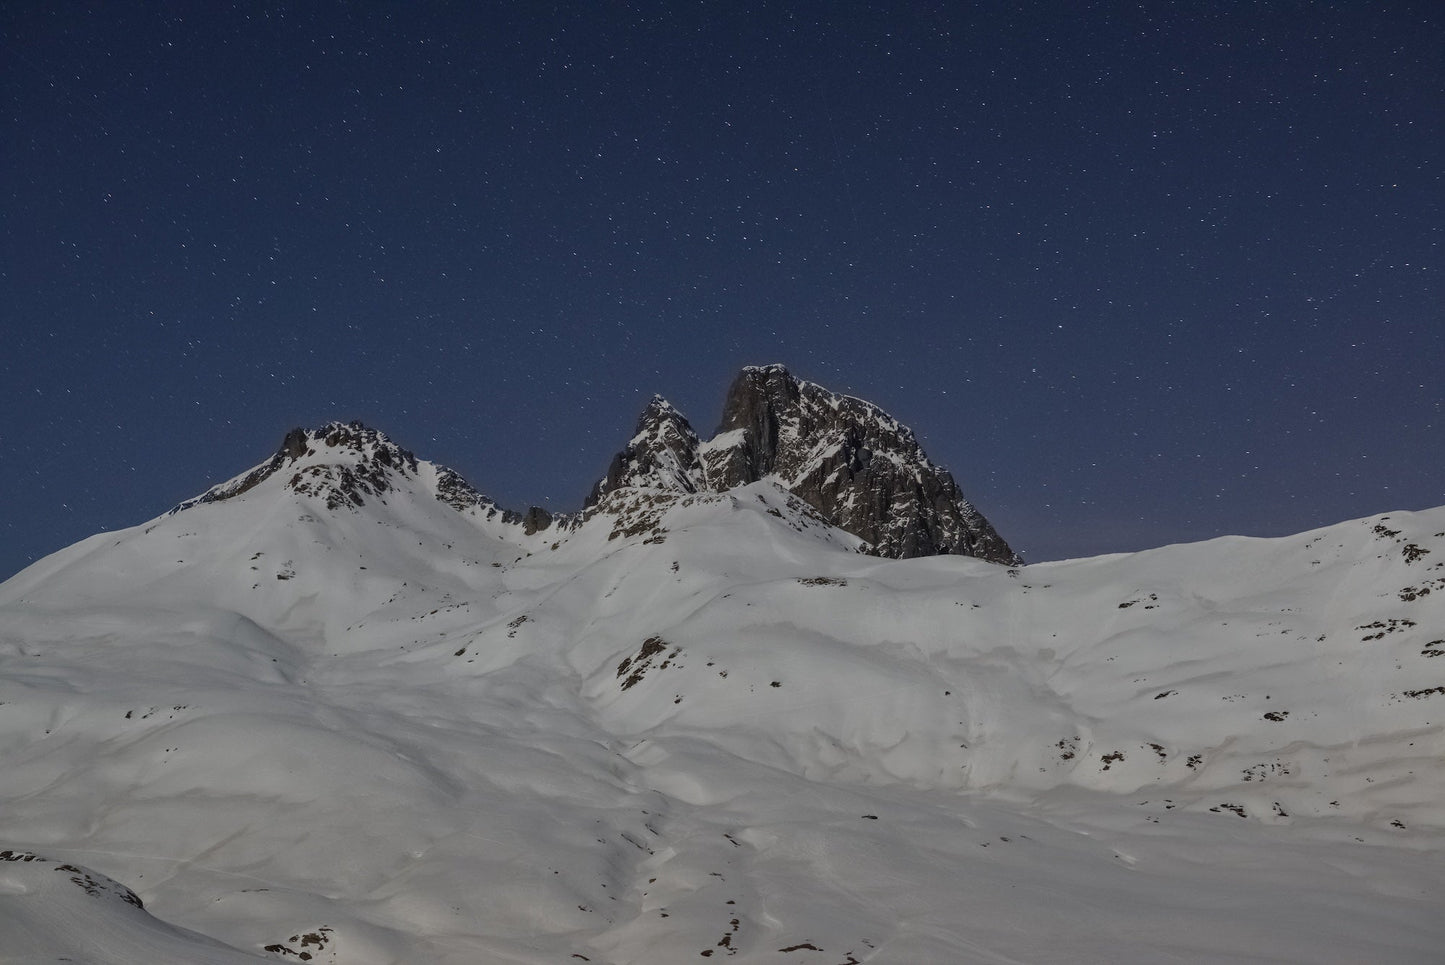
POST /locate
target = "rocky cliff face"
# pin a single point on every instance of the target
(857, 465)
(852, 462)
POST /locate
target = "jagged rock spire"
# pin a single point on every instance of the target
(856, 465)
(662, 454)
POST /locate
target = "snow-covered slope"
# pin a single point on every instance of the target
(395, 727)
(56, 912)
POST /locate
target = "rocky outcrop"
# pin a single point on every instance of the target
(366, 469)
(662, 454)
(861, 469)
(535, 520)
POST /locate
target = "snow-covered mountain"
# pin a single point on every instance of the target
(344, 709)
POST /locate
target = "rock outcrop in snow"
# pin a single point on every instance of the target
(662, 454)
(857, 466)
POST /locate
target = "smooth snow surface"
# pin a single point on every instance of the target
(55, 912)
(403, 734)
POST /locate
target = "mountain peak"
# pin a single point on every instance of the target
(342, 462)
(857, 465)
(860, 468)
(662, 454)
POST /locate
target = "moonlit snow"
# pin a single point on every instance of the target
(703, 727)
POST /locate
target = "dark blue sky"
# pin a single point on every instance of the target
(1137, 274)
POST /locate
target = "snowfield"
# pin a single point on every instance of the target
(704, 727)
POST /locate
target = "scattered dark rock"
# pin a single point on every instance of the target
(1427, 692)
(641, 662)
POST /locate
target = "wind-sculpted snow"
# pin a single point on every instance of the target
(702, 726)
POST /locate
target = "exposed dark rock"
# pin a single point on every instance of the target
(457, 493)
(848, 459)
(293, 447)
(756, 402)
(536, 519)
(662, 454)
(347, 480)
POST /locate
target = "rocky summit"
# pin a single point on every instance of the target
(853, 463)
(848, 464)
(662, 454)
(346, 463)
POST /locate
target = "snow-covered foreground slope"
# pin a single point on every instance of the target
(703, 727)
(52, 911)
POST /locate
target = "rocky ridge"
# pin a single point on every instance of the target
(847, 461)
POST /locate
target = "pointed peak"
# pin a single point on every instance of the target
(659, 408)
(662, 454)
(340, 461)
(660, 418)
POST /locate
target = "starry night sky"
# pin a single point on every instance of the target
(1137, 274)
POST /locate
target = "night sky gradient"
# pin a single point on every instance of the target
(1137, 274)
